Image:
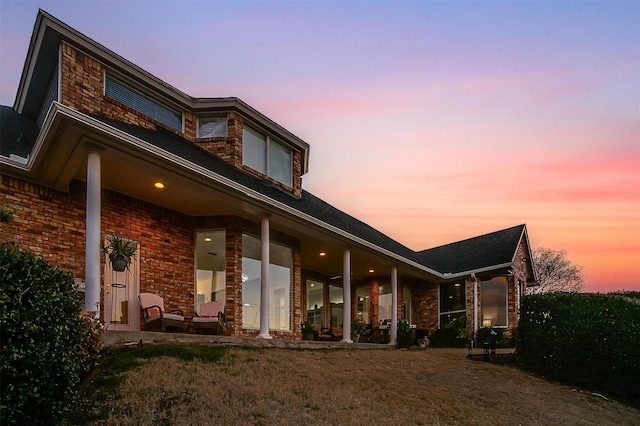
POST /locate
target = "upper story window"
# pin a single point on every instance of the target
(212, 127)
(267, 156)
(119, 91)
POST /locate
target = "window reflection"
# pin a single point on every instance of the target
(280, 267)
(210, 268)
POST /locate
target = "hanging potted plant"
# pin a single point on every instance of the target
(120, 252)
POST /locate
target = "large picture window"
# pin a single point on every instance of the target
(336, 299)
(493, 299)
(384, 302)
(280, 272)
(363, 304)
(452, 302)
(266, 156)
(315, 302)
(210, 268)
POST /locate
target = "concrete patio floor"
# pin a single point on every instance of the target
(117, 337)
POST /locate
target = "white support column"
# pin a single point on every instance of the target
(264, 279)
(346, 302)
(92, 238)
(394, 307)
(475, 304)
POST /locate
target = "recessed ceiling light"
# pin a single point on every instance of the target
(159, 185)
(371, 271)
(322, 253)
(207, 239)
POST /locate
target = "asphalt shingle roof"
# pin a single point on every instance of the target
(18, 134)
(486, 250)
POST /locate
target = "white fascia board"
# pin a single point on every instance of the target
(30, 61)
(59, 109)
(26, 166)
(130, 70)
(477, 271)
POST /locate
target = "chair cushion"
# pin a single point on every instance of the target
(174, 317)
(211, 309)
(205, 319)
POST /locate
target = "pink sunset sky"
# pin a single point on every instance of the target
(431, 121)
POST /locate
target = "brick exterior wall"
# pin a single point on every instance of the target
(424, 301)
(47, 222)
(51, 223)
(82, 81)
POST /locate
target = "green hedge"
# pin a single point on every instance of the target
(47, 343)
(587, 340)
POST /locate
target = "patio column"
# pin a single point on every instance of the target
(92, 237)
(346, 297)
(394, 307)
(264, 279)
(475, 303)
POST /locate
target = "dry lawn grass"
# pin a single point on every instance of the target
(345, 387)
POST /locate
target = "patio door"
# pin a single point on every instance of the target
(121, 289)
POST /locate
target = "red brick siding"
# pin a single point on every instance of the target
(424, 301)
(228, 148)
(52, 224)
(81, 81)
(82, 87)
(47, 222)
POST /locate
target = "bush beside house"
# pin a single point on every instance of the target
(588, 340)
(48, 342)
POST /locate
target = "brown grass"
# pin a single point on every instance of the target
(344, 387)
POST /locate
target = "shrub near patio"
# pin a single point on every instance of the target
(48, 342)
(588, 340)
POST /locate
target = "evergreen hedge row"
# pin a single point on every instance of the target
(48, 343)
(583, 339)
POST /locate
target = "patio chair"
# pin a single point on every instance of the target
(211, 318)
(156, 318)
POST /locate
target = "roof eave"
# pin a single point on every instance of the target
(477, 271)
(59, 112)
(121, 65)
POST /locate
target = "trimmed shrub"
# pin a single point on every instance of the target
(46, 344)
(588, 340)
(444, 337)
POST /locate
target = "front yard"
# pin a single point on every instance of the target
(283, 386)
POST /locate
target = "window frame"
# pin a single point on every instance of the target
(272, 305)
(222, 118)
(455, 313)
(506, 304)
(126, 85)
(269, 140)
(219, 253)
